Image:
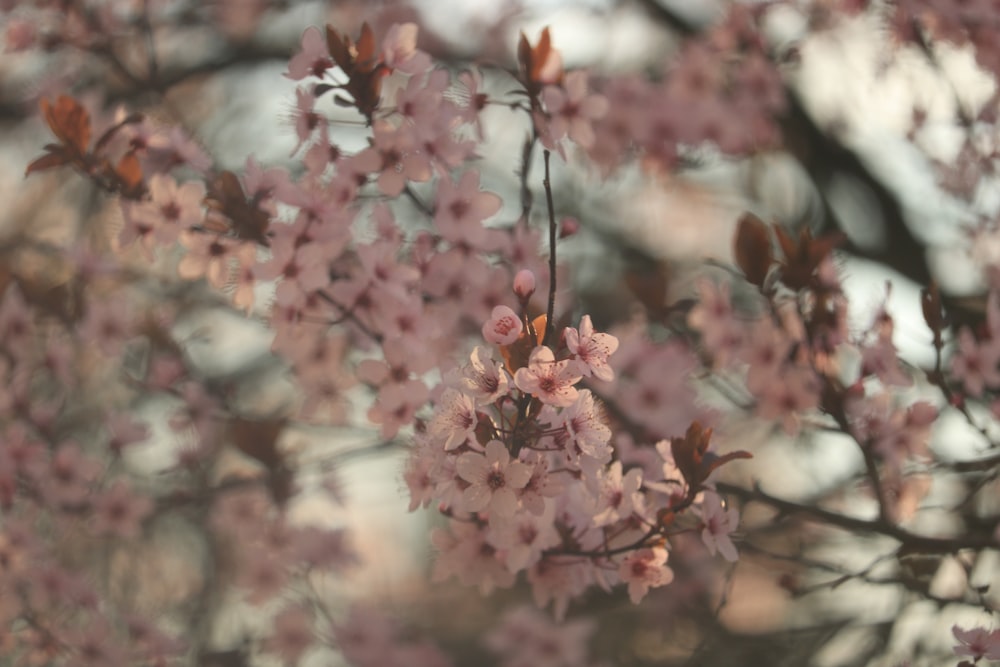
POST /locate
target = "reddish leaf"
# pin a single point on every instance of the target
(69, 121)
(226, 196)
(56, 157)
(258, 439)
(713, 461)
(524, 54)
(129, 172)
(365, 48)
(693, 459)
(534, 60)
(802, 257)
(516, 354)
(753, 249)
(364, 70)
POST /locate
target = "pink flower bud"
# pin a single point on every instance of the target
(524, 284)
(504, 326)
(568, 227)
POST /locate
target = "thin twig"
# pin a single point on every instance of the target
(550, 311)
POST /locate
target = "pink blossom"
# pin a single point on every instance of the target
(572, 110)
(549, 380)
(718, 523)
(644, 569)
(464, 552)
(975, 364)
(483, 378)
(591, 350)
(494, 478)
(396, 406)
(524, 537)
(454, 418)
(524, 284)
(399, 49)
(461, 209)
(977, 643)
(171, 208)
(541, 485)
(617, 495)
(714, 319)
(314, 58)
(292, 634)
(119, 511)
(585, 425)
(503, 327)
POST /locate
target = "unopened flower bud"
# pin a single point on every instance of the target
(503, 327)
(524, 284)
(568, 227)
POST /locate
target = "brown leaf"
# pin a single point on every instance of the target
(339, 50)
(753, 249)
(69, 121)
(56, 157)
(533, 61)
(803, 257)
(692, 458)
(516, 354)
(226, 196)
(365, 48)
(129, 172)
(258, 439)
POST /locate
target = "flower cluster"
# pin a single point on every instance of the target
(518, 453)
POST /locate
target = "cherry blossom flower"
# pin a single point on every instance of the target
(524, 537)
(718, 523)
(617, 495)
(977, 643)
(549, 380)
(591, 350)
(365, 636)
(585, 425)
(975, 364)
(783, 400)
(209, 256)
(400, 158)
(314, 58)
(454, 418)
(292, 634)
(559, 581)
(475, 101)
(503, 327)
(572, 111)
(107, 323)
(713, 317)
(483, 378)
(119, 511)
(493, 480)
(399, 49)
(461, 209)
(70, 475)
(525, 636)
(396, 405)
(170, 210)
(541, 485)
(464, 552)
(644, 569)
